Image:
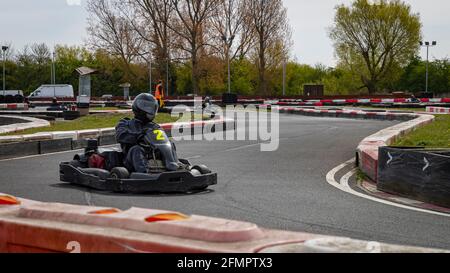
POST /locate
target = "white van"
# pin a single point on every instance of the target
(50, 91)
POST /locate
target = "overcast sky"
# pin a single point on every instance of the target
(64, 22)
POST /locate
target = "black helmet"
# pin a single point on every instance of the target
(145, 107)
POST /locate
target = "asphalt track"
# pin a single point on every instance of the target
(285, 189)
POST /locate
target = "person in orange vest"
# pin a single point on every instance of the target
(159, 94)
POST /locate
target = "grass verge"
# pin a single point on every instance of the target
(96, 121)
(434, 135)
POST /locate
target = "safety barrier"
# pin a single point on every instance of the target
(28, 226)
(348, 113)
(416, 173)
(14, 106)
(438, 110)
(362, 101)
(368, 149)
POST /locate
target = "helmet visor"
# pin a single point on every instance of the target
(147, 107)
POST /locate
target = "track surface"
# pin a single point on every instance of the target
(285, 189)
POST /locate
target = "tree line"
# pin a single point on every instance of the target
(189, 43)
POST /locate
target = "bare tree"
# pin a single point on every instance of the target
(268, 20)
(190, 25)
(110, 31)
(41, 54)
(233, 36)
(151, 21)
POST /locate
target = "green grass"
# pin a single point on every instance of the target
(361, 176)
(434, 135)
(94, 122)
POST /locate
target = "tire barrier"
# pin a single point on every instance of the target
(28, 226)
(229, 99)
(11, 99)
(418, 174)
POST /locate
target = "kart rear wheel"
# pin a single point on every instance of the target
(119, 173)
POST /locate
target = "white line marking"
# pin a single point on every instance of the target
(345, 187)
(88, 198)
(333, 172)
(427, 164)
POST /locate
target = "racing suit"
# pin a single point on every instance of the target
(128, 134)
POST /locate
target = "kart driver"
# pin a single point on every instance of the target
(129, 133)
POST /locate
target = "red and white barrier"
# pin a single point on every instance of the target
(14, 106)
(368, 148)
(293, 102)
(438, 110)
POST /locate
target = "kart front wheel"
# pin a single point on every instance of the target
(202, 169)
(119, 173)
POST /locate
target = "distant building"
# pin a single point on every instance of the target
(84, 87)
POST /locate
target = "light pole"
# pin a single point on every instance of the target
(150, 74)
(167, 69)
(53, 76)
(427, 45)
(4, 49)
(228, 42)
(284, 77)
(167, 75)
(54, 68)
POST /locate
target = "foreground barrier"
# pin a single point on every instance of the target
(35, 227)
(41, 227)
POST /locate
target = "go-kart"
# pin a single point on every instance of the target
(103, 169)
